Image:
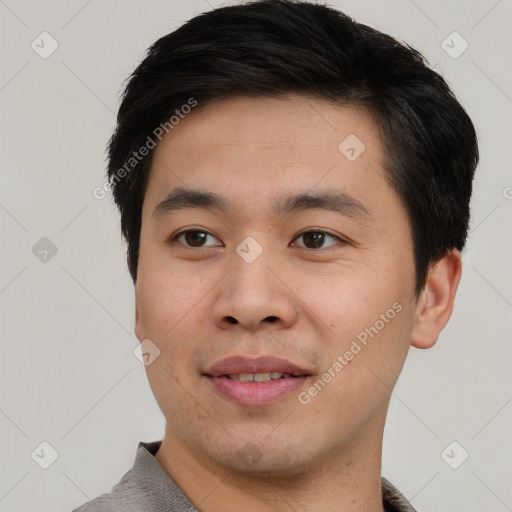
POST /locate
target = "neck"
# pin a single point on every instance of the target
(349, 480)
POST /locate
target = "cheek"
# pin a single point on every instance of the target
(351, 299)
(370, 320)
(162, 295)
(171, 314)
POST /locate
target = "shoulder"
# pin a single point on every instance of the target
(146, 487)
(393, 499)
(124, 497)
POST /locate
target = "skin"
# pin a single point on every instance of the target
(325, 455)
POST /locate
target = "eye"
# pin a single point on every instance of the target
(192, 237)
(195, 238)
(314, 239)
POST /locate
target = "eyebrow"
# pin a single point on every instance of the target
(329, 200)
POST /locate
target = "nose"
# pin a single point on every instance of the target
(256, 296)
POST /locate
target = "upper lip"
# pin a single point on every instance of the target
(263, 364)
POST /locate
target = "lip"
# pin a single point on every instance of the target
(262, 364)
(255, 393)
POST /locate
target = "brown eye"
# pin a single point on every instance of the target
(192, 238)
(316, 239)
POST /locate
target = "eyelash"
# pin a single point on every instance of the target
(174, 237)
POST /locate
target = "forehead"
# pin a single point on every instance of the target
(253, 149)
(289, 123)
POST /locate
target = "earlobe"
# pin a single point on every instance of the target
(137, 324)
(435, 304)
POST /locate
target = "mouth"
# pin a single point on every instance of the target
(259, 377)
(255, 382)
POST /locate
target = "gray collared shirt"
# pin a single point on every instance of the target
(147, 487)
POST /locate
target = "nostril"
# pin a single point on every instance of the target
(271, 318)
(232, 320)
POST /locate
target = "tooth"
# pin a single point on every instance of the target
(261, 377)
(258, 377)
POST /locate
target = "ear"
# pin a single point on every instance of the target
(137, 322)
(435, 303)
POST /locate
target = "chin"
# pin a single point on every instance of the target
(263, 459)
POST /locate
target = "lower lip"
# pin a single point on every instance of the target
(256, 393)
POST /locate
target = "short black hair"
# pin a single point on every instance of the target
(274, 47)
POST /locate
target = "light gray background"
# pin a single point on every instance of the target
(68, 375)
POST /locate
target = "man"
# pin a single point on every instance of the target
(294, 190)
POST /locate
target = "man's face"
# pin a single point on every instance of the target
(255, 283)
